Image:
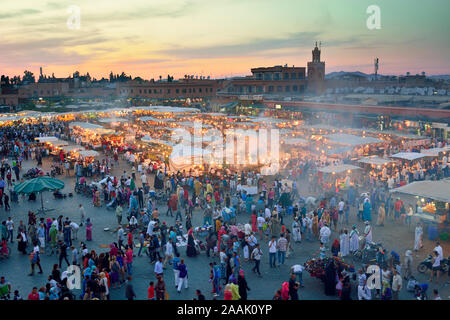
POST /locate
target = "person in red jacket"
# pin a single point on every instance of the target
(34, 295)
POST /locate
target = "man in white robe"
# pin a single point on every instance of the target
(354, 239)
(296, 234)
(324, 235)
(418, 235)
(368, 232)
(345, 243)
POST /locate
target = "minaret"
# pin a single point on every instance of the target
(316, 72)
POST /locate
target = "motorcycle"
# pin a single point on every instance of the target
(428, 264)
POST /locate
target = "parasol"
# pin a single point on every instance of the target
(39, 184)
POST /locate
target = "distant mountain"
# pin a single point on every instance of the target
(339, 74)
(334, 75)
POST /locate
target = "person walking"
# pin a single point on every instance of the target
(396, 285)
(272, 252)
(243, 286)
(282, 246)
(129, 290)
(256, 256)
(182, 276)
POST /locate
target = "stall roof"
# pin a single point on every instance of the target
(350, 139)
(436, 190)
(409, 155)
(72, 148)
(148, 118)
(435, 151)
(85, 125)
(59, 143)
(109, 120)
(163, 109)
(375, 160)
(88, 153)
(296, 141)
(338, 168)
(46, 139)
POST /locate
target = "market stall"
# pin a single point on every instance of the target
(432, 202)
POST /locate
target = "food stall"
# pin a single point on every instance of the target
(432, 202)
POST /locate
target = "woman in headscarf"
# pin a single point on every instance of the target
(344, 242)
(330, 279)
(418, 236)
(381, 215)
(387, 292)
(243, 287)
(227, 295)
(367, 209)
(88, 229)
(235, 291)
(335, 248)
(315, 226)
(190, 249)
(254, 217)
(285, 291)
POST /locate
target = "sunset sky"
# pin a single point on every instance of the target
(221, 38)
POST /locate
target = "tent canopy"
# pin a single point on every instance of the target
(350, 139)
(338, 168)
(46, 139)
(88, 153)
(375, 161)
(435, 151)
(410, 156)
(437, 190)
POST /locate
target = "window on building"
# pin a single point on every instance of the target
(145, 90)
(140, 90)
(279, 89)
(295, 88)
(293, 76)
(168, 91)
(276, 76)
(259, 89)
(286, 76)
(154, 91)
(270, 88)
(288, 88)
(199, 89)
(177, 90)
(184, 90)
(300, 75)
(193, 90)
(131, 90)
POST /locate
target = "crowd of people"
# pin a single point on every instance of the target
(155, 220)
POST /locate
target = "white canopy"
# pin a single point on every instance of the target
(296, 141)
(435, 151)
(338, 168)
(350, 139)
(59, 143)
(410, 156)
(109, 120)
(85, 125)
(154, 119)
(437, 190)
(375, 160)
(46, 139)
(72, 148)
(164, 109)
(88, 153)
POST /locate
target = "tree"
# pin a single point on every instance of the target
(28, 77)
